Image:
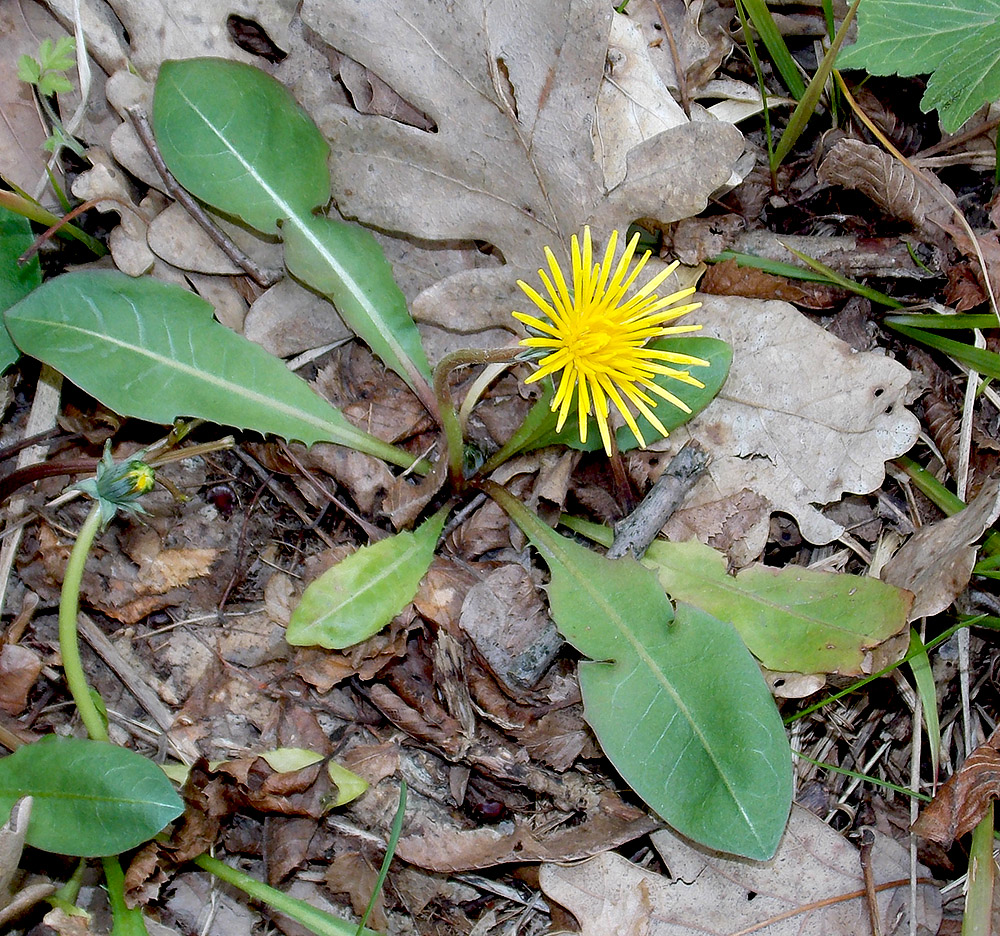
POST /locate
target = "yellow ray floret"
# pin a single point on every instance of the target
(594, 331)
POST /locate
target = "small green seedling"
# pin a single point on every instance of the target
(45, 74)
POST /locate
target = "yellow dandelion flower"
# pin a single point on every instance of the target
(596, 335)
(140, 477)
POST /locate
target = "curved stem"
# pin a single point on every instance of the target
(69, 642)
(447, 414)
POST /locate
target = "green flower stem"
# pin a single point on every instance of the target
(446, 406)
(126, 921)
(69, 642)
(323, 924)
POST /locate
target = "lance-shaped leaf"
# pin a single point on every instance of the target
(358, 596)
(346, 264)
(677, 701)
(152, 350)
(237, 139)
(793, 619)
(90, 797)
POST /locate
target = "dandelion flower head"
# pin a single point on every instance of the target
(595, 332)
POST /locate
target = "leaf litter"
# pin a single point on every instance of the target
(802, 421)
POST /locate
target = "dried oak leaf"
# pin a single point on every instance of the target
(963, 799)
(936, 562)
(801, 421)
(708, 893)
(19, 668)
(512, 89)
(22, 132)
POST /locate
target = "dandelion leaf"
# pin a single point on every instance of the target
(676, 700)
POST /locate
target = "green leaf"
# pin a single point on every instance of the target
(153, 351)
(346, 264)
(981, 360)
(91, 798)
(358, 596)
(16, 280)
(792, 619)
(923, 676)
(678, 703)
(943, 322)
(28, 70)
(765, 26)
(539, 428)
(59, 57)
(52, 83)
(958, 41)
(237, 139)
(349, 785)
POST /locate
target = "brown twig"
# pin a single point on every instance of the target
(871, 900)
(826, 902)
(258, 274)
(635, 532)
(676, 57)
(65, 219)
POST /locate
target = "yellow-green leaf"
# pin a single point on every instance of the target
(358, 596)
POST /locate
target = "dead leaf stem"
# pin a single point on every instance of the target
(675, 57)
(257, 273)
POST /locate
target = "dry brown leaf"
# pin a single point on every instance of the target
(67, 925)
(730, 279)
(177, 238)
(728, 524)
(23, 25)
(430, 844)
(708, 894)
(801, 421)
(126, 584)
(19, 668)
(442, 591)
(224, 712)
(963, 291)
(887, 182)
(700, 32)
(963, 800)
(989, 246)
(513, 85)
(936, 562)
(182, 29)
(288, 319)
(352, 874)
(507, 620)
